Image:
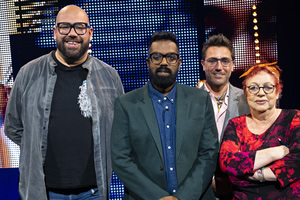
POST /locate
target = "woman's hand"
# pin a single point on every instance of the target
(279, 152)
(267, 173)
(266, 156)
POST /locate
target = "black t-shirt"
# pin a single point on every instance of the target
(70, 155)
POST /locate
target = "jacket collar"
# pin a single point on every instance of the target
(53, 64)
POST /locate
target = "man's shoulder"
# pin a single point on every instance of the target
(100, 66)
(101, 71)
(134, 95)
(188, 90)
(236, 93)
(237, 100)
(235, 90)
(99, 63)
(37, 65)
(35, 62)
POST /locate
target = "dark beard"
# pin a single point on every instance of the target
(163, 82)
(72, 54)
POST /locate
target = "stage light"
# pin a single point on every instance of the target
(256, 41)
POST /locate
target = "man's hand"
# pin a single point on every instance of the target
(169, 198)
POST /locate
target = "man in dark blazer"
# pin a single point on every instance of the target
(164, 137)
(218, 59)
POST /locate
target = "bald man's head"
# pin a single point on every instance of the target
(72, 11)
(72, 34)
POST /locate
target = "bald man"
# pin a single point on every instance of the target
(60, 112)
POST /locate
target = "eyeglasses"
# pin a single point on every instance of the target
(156, 58)
(254, 89)
(212, 62)
(80, 28)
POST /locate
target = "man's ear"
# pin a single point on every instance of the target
(203, 65)
(91, 31)
(233, 64)
(54, 32)
(179, 64)
(148, 62)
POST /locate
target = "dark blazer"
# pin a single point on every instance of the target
(137, 155)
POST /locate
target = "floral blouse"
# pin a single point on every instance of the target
(237, 156)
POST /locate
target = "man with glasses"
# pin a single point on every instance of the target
(228, 101)
(164, 138)
(60, 112)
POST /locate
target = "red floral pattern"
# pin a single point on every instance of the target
(237, 155)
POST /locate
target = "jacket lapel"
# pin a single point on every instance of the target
(149, 114)
(182, 111)
(232, 109)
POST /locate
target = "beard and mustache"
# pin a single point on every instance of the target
(163, 82)
(72, 54)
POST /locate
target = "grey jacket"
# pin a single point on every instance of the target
(237, 105)
(27, 118)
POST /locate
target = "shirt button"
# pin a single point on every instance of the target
(174, 191)
(167, 108)
(172, 100)
(168, 126)
(159, 101)
(171, 168)
(169, 147)
(165, 98)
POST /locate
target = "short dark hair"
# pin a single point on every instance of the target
(220, 41)
(163, 35)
